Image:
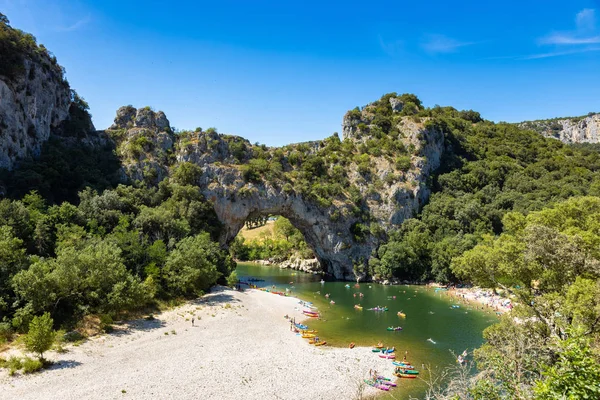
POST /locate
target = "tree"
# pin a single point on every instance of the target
(576, 375)
(187, 173)
(192, 266)
(12, 260)
(41, 336)
(283, 227)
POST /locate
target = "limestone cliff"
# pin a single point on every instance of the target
(568, 130)
(35, 98)
(31, 105)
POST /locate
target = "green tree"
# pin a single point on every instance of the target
(12, 260)
(284, 228)
(192, 266)
(41, 336)
(187, 173)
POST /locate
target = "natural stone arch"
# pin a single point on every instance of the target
(331, 242)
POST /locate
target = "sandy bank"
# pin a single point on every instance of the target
(240, 347)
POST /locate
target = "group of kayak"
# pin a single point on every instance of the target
(403, 369)
(310, 334)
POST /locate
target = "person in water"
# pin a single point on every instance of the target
(405, 354)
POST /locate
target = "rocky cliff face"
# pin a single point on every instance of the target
(568, 130)
(31, 105)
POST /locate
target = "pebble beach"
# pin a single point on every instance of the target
(239, 347)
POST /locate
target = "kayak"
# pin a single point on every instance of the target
(391, 328)
(301, 326)
(409, 371)
(378, 346)
(386, 381)
(388, 356)
(404, 365)
(352, 345)
(388, 351)
(308, 336)
(378, 309)
(320, 343)
(376, 385)
(358, 307)
(405, 376)
(376, 350)
(309, 331)
(401, 314)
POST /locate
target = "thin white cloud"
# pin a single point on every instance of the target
(436, 44)
(559, 53)
(558, 38)
(585, 32)
(75, 26)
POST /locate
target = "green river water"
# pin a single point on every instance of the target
(429, 315)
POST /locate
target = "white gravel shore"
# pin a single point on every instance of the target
(244, 350)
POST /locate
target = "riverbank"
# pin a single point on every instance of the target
(239, 347)
(484, 299)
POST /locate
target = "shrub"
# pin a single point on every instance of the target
(73, 336)
(6, 332)
(40, 336)
(31, 365)
(232, 279)
(13, 364)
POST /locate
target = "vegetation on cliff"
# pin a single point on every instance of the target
(16, 46)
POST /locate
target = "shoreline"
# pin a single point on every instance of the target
(239, 347)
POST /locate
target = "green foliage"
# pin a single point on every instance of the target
(232, 279)
(41, 336)
(576, 374)
(62, 170)
(193, 266)
(186, 173)
(31, 365)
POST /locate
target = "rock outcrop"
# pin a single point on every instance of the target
(32, 104)
(311, 265)
(568, 130)
(144, 142)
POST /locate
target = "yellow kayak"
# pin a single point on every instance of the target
(308, 336)
(401, 314)
(309, 331)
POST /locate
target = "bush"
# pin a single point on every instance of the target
(31, 365)
(6, 332)
(232, 279)
(40, 336)
(73, 336)
(13, 364)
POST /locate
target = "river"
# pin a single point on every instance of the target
(429, 315)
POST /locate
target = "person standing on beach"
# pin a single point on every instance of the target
(192, 321)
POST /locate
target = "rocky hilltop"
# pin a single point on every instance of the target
(568, 130)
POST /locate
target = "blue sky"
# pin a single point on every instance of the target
(278, 71)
